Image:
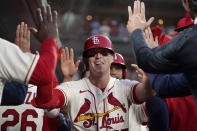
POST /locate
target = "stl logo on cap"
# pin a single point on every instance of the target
(95, 40)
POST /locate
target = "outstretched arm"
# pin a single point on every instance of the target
(43, 74)
(160, 61)
(169, 85)
(47, 33)
(143, 91)
(32, 68)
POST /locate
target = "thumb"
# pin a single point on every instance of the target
(149, 22)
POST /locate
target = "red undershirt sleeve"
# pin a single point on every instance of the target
(45, 92)
(57, 100)
(44, 73)
(134, 96)
(45, 68)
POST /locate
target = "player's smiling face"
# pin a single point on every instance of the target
(99, 60)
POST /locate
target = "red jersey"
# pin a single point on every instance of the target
(183, 113)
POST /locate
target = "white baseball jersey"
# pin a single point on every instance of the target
(91, 109)
(24, 117)
(134, 112)
(14, 64)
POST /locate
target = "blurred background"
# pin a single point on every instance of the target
(79, 19)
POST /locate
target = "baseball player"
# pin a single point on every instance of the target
(118, 70)
(118, 67)
(44, 121)
(150, 106)
(34, 118)
(26, 117)
(177, 56)
(98, 102)
(30, 68)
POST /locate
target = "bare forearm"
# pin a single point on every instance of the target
(144, 91)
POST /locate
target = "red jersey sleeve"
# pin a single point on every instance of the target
(44, 70)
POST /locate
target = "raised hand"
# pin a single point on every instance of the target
(149, 38)
(47, 24)
(139, 71)
(137, 17)
(144, 91)
(68, 67)
(22, 38)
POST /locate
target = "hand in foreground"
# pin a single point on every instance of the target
(137, 18)
(144, 91)
(68, 67)
(149, 38)
(22, 39)
(47, 24)
(139, 71)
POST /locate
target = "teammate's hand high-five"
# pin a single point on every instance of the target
(47, 24)
(137, 19)
(26, 67)
(151, 42)
(22, 38)
(68, 67)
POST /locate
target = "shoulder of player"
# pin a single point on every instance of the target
(77, 83)
(6, 43)
(127, 82)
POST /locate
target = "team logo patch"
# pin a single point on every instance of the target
(90, 119)
(95, 40)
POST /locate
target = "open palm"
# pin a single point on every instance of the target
(22, 39)
(68, 67)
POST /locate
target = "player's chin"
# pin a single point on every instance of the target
(114, 76)
(98, 67)
(100, 71)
